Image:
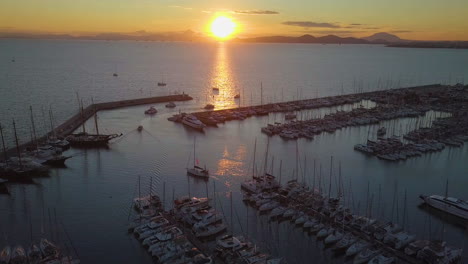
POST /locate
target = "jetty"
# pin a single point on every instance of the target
(74, 122)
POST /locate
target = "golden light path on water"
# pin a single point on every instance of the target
(232, 164)
(223, 79)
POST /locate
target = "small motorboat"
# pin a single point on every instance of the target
(216, 89)
(151, 111)
(381, 132)
(209, 106)
(170, 105)
(115, 75)
(162, 84)
(140, 128)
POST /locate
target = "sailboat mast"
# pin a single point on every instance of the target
(313, 180)
(280, 171)
(266, 156)
(52, 123)
(17, 144)
(305, 169)
(194, 140)
(3, 143)
(446, 189)
(330, 181)
(297, 161)
(33, 127)
(82, 116)
(261, 93)
(139, 192)
(232, 223)
(253, 165)
(95, 117)
(151, 187)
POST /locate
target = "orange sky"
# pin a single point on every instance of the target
(409, 19)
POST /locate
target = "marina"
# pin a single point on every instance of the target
(369, 210)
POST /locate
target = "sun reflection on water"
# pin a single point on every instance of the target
(232, 165)
(223, 79)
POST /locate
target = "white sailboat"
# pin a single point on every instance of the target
(197, 170)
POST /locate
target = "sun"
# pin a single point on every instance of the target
(222, 27)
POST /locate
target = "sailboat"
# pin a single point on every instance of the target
(53, 140)
(20, 168)
(84, 139)
(196, 170)
(45, 154)
(162, 83)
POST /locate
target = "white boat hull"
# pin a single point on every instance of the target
(451, 209)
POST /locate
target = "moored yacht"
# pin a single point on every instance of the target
(84, 139)
(193, 122)
(170, 105)
(151, 111)
(450, 205)
(190, 202)
(209, 107)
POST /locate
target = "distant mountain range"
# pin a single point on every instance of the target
(191, 36)
(378, 38)
(384, 37)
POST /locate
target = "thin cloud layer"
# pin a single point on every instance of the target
(310, 24)
(256, 12)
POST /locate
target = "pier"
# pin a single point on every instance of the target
(78, 119)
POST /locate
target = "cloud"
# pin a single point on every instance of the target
(256, 12)
(310, 24)
(182, 7)
(356, 24)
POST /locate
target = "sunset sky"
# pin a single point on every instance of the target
(409, 19)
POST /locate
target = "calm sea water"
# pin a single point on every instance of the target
(91, 198)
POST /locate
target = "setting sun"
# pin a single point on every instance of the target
(222, 27)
